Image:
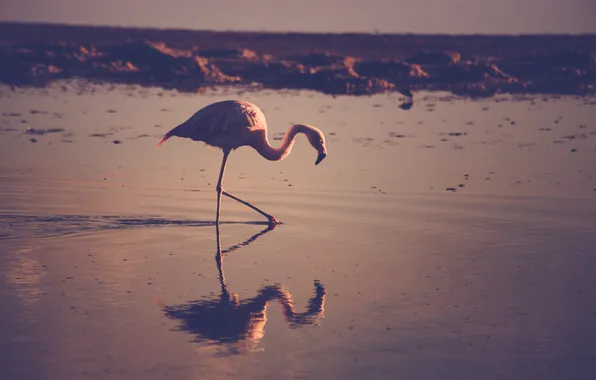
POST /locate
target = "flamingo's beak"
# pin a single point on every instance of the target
(322, 155)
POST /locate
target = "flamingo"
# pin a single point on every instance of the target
(231, 124)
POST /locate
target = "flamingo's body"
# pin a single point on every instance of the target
(231, 124)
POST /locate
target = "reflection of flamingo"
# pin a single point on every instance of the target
(231, 124)
(228, 319)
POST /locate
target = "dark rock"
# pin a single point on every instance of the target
(434, 58)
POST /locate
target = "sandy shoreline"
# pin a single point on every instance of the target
(35, 54)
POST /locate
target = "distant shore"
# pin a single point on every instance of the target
(340, 64)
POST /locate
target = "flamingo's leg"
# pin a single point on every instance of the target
(220, 191)
(219, 182)
(271, 218)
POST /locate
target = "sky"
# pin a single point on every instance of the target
(384, 16)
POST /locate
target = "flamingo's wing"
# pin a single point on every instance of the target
(221, 124)
(231, 118)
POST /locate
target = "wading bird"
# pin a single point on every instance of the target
(231, 124)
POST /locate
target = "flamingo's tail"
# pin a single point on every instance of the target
(163, 140)
(165, 137)
(174, 132)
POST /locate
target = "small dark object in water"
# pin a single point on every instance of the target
(396, 135)
(40, 132)
(407, 105)
(451, 189)
(117, 142)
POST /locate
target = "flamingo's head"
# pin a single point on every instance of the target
(316, 138)
(320, 157)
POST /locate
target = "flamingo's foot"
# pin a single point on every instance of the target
(273, 220)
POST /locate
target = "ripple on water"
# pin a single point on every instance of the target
(19, 226)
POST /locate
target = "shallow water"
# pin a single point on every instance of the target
(109, 263)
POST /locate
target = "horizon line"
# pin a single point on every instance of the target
(232, 31)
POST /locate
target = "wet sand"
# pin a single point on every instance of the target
(451, 241)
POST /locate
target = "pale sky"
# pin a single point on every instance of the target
(386, 16)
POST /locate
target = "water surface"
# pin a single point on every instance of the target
(110, 265)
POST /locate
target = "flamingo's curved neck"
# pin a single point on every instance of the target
(277, 154)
